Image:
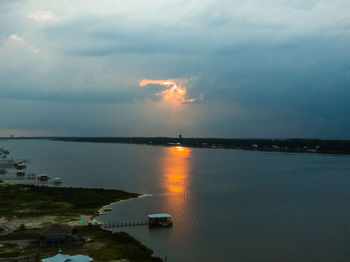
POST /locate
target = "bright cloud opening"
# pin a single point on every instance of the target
(174, 93)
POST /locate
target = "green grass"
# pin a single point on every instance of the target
(21, 234)
(101, 245)
(35, 201)
(30, 200)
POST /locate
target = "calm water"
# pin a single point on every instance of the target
(227, 205)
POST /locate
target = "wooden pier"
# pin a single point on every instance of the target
(27, 179)
(124, 224)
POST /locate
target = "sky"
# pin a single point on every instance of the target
(223, 68)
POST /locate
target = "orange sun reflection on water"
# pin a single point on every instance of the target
(175, 178)
(176, 171)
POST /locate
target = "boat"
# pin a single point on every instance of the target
(20, 165)
(20, 172)
(4, 151)
(43, 177)
(159, 220)
(107, 209)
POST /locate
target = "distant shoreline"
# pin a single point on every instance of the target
(292, 145)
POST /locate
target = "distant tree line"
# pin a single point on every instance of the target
(284, 145)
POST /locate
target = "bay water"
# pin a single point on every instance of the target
(227, 205)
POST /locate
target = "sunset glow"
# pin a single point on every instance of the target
(174, 93)
(176, 179)
(180, 151)
(176, 174)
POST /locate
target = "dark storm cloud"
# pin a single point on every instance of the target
(278, 68)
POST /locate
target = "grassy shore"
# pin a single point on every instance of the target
(23, 203)
(100, 244)
(30, 200)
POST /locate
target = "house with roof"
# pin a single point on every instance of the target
(67, 258)
(55, 235)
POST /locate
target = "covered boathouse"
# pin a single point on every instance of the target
(159, 220)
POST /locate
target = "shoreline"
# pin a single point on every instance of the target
(63, 210)
(289, 145)
(100, 211)
(33, 223)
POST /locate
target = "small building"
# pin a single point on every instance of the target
(65, 258)
(254, 146)
(159, 220)
(43, 177)
(55, 235)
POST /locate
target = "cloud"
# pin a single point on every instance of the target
(17, 38)
(198, 27)
(281, 64)
(175, 93)
(41, 16)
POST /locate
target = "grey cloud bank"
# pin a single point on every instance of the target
(272, 69)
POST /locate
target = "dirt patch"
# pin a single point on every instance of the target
(21, 243)
(95, 245)
(38, 222)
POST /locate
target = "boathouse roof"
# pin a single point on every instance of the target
(55, 230)
(162, 215)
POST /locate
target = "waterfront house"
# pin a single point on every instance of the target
(55, 235)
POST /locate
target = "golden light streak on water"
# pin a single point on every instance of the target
(175, 178)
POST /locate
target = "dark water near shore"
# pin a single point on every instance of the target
(227, 205)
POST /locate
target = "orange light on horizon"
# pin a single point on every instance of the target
(175, 93)
(181, 151)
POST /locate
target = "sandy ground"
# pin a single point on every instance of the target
(38, 222)
(21, 243)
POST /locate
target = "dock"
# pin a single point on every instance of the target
(124, 224)
(27, 179)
